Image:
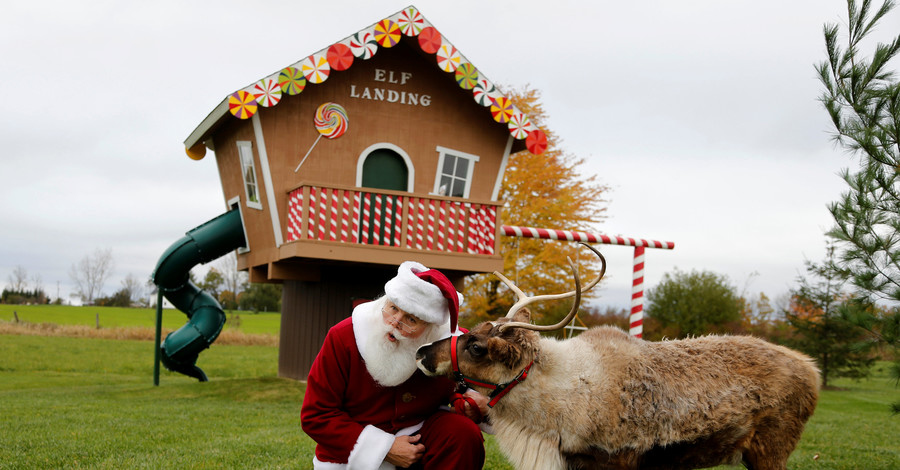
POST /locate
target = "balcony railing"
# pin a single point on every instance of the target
(391, 218)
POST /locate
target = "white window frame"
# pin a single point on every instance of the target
(245, 158)
(235, 204)
(443, 152)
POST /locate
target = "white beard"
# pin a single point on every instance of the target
(390, 363)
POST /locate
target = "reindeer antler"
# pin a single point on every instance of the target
(526, 300)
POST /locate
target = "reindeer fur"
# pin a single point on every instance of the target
(606, 400)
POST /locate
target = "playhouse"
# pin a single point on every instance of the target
(386, 146)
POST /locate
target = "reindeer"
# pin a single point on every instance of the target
(606, 400)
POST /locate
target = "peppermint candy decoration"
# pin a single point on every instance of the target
(519, 125)
(291, 81)
(315, 68)
(411, 22)
(501, 109)
(387, 33)
(430, 40)
(267, 92)
(363, 45)
(242, 104)
(448, 58)
(466, 76)
(339, 56)
(536, 142)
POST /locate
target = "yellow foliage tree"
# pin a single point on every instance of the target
(544, 191)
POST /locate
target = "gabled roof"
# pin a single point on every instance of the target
(363, 45)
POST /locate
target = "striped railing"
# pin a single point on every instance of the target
(389, 218)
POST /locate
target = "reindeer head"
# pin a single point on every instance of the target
(496, 353)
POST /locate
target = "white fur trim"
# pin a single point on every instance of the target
(320, 465)
(418, 297)
(360, 314)
(353, 465)
(370, 449)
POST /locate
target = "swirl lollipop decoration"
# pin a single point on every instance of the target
(331, 122)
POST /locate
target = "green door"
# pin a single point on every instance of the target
(383, 169)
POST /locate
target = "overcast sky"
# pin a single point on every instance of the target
(702, 116)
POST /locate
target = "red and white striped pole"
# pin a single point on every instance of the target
(636, 319)
(573, 236)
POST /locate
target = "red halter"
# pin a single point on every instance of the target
(499, 390)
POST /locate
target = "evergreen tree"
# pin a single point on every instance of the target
(862, 96)
(818, 312)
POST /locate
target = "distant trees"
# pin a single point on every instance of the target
(212, 282)
(692, 304)
(261, 297)
(18, 291)
(91, 273)
(129, 295)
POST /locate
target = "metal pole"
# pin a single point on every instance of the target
(159, 300)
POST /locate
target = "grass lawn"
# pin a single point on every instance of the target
(90, 403)
(115, 317)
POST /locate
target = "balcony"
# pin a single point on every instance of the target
(384, 227)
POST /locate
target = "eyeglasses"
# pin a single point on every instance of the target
(406, 323)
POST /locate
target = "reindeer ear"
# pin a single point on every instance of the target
(504, 352)
(522, 315)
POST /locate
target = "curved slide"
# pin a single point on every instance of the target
(203, 244)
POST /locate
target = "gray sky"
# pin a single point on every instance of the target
(701, 115)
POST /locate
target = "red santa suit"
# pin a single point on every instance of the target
(354, 420)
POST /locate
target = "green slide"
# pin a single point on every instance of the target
(203, 244)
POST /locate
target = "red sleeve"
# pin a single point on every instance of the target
(322, 416)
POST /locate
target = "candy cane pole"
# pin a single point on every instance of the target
(636, 320)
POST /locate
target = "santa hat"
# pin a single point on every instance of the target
(425, 293)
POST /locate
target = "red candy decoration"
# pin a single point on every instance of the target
(536, 142)
(339, 56)
(430, 40)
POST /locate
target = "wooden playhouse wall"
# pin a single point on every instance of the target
(452, 119)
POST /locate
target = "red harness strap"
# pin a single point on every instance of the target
(498, 390)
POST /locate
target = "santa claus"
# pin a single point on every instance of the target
(367, 406)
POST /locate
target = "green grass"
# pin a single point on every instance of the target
(248, 322)
(91, 403)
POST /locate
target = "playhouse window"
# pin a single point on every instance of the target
(454, 176)
(248, 170)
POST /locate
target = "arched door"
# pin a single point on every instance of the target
(383, 169)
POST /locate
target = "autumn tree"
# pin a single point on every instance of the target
(547, 191)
